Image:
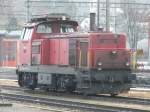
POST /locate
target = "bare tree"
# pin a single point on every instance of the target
(134, 16)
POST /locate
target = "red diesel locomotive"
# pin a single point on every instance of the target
(55, 56)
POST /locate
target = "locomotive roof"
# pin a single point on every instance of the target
(53, 17)
(80, 34)
(32, 24)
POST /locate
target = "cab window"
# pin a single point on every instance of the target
(27, 33)
(44, 28)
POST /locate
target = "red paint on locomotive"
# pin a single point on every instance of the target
(24, 52)
(89, 62)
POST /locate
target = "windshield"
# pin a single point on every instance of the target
(27, 33)
(44, 28)
(66, 28)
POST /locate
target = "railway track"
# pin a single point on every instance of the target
(68, 104)
(119, 99)
(54, 100)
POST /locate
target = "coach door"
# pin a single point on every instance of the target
(83, 54)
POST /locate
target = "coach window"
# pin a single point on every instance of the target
(44, 28)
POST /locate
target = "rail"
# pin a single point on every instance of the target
(59, 100)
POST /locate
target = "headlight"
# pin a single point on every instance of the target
(99, 64)
(99, 69)
(114, 52)
(127, 64)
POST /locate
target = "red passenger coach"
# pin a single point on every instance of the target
(10, 52)
(9, 49)
(55, 56)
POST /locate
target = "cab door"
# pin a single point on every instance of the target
(24, 52)
(83, 58)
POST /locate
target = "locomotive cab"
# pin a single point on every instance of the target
(42, 28)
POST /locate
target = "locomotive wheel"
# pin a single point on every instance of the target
(70, 86)
(20, 80)
(70, 89)
(34, 84)
(20, 83)
(32, 87)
